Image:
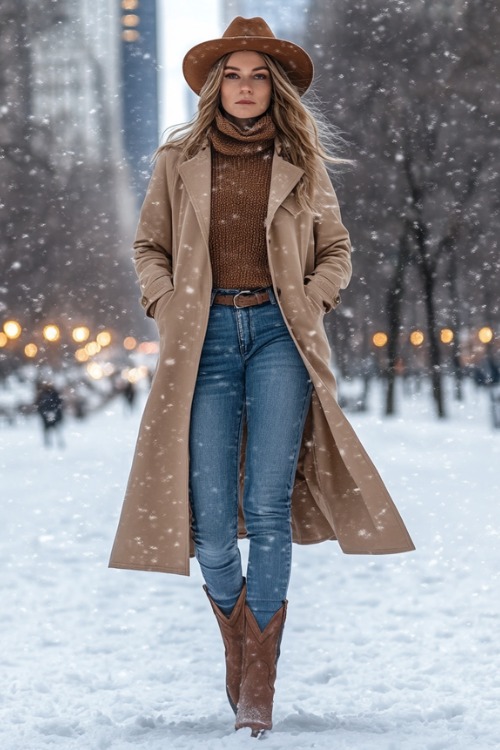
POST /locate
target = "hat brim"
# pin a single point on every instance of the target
(295, 60)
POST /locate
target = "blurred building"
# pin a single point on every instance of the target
(67, 213)
(75, 78)
(139, 73)
(94, 81)
(288, 20)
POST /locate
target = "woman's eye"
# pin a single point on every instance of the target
(230, 75)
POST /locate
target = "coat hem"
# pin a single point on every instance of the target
(151, 568)
(384, 551)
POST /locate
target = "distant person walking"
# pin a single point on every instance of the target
(129, 392)
(240, 252)
(49, 406)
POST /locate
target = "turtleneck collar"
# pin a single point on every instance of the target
(227, 138)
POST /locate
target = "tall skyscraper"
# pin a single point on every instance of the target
(140, 88)
(66, 200)
(74, 58)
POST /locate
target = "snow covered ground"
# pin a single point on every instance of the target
(386, 653)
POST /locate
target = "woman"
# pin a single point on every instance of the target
(240, 251)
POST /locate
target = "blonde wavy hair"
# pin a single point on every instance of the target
(306, 138)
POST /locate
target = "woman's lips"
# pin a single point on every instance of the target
(245, 101)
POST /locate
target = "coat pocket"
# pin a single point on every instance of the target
(314, 301)
(158, 306)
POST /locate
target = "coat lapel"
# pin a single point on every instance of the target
(284, 177)
(196, 175)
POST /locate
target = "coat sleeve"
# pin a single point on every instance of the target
(153, 240)
(333, 269)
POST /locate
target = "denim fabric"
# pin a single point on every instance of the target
(250, 368)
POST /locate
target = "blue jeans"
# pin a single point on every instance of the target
(249, 369)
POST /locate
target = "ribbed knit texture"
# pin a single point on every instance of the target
(241, 176)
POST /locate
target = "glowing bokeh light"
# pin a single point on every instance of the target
(92, 348)
(80, 334)
(447, 335)
(12, 329)
(81, 355)
(380, 339)
(417, 338)
(95, 371)
(129, 343)
(103, 338)
(485, 335)
(51, 332)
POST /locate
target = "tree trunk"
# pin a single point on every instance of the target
(395, 295)
(434, 352)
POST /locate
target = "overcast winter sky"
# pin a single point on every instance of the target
(180, 26)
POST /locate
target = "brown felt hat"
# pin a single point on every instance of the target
(248, 34)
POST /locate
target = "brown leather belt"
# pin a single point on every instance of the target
(245, 298)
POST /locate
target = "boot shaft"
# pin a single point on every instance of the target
(232, 632)
(261, 650)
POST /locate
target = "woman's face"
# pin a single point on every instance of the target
(246, 87)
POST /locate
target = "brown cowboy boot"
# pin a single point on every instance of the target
(231, 629)
(260, 655)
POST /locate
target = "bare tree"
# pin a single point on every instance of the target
(394, 73)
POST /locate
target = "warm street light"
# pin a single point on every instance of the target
(95, 371)
(380, 339)
(3, 339)
(131, 20)
(148, 347)
(485, 335)
(80, 334)
(12, 329)
(134, 374)
(81, 355)
(92, 348)
(417, 338)
(103, 338)
(130, 35)
(129, 343)
(447, 335)
(31, 350)
(51, 332)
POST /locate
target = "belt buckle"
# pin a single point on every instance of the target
(244, 291)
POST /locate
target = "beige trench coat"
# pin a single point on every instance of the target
(338, 493)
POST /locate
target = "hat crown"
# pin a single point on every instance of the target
(240, 26)
(248, 34)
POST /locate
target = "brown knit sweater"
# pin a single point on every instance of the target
(241, 176)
